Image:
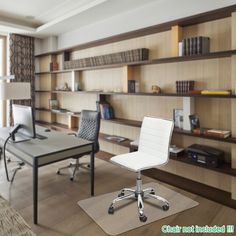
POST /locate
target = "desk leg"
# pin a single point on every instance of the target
(92, 171)
(35, 191)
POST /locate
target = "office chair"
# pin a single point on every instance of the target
(88, 129)
(153, 151)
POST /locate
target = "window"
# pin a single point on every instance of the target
(2, 73)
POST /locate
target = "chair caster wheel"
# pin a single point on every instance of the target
(111, 210)
(121, 194)
(165, 207)
(71, 179)
(58, 172)
(143, 218)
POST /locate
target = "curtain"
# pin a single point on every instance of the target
(22, 65)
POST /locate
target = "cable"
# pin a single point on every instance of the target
(5, 162)
(4, 158)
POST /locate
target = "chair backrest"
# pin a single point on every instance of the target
(155, 137)
(89, 127)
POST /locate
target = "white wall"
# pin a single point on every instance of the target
(156, 12)
(151, 14)
(45, 45)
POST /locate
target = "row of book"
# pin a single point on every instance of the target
(194, 46)
(106, 110)
(140, 54)
(184, 86)
(54, 66)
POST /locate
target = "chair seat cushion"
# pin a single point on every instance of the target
(136, 161)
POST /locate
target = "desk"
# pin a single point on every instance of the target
(37, 153)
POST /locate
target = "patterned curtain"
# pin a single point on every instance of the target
(22, 65)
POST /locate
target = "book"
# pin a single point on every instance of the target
(106, 110)
(215, 92)
(184, 47)
(218, 133)
(203, 45)
(115, 138)
(131, 86)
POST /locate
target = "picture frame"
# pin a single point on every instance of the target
(178, 117)
(53, 104)
(194, 122)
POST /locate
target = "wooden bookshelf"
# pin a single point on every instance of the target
(210, 71)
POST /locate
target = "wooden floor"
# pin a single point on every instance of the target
(60, 215)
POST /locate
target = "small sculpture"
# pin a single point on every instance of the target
(156, 89)
(65, 87)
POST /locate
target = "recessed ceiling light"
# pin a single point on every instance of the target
(30, 17)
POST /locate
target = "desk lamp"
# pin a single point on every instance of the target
(12, 91)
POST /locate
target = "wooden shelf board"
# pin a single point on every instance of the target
(75, 92)
(43, 91)
(43, 73)
(127, 122)
(189, 133)
(125, 143)
(225, 168)
(55, 112)
(233, 96)
(211, 55)
(169, 95)
(56, 126)
(42, 109)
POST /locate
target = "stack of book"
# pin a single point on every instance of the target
(184, 86)
(195, 46)
(140, 54)
(217, 133)
(106, 110)
(54, 66)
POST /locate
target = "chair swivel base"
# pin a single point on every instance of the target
(139, 195)
(74, 167)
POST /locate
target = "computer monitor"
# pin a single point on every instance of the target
(24, 116)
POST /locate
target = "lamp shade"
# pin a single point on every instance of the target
(7, 77)
(14, 91)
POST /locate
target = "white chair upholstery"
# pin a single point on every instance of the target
(153, 151)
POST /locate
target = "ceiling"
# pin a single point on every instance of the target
(54, 17)
(42, 18)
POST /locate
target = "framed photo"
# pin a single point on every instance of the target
(194, 122)
(53, 104)
(178, 118)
